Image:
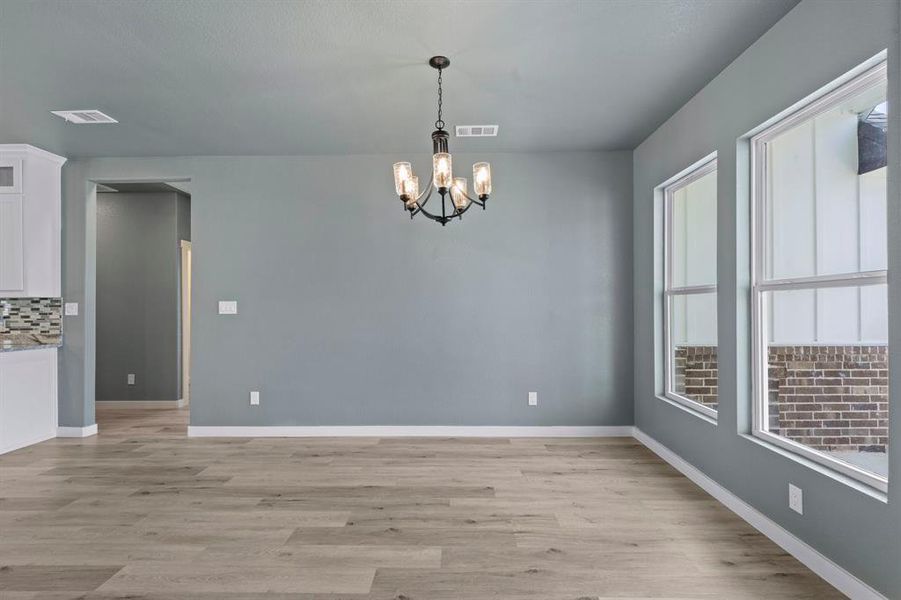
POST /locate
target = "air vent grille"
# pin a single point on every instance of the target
(477, 130)
(84, 116)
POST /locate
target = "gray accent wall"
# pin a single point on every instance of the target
(137, 294)
(351, 314)
(813, 45)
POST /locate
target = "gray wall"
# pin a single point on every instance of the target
(138, 303)
(351, 314)
(811, 46)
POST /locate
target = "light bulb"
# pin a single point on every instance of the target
(411, 191)
(458, 193)
(481, 178)
(442, 170)
(402, 172)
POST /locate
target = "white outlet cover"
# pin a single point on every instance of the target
(533, 398)
(131, 379)
(254, 398)
(796, 499)
(71, 309)
(228, 307)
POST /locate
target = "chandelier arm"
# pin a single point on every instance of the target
(427, 214)
(472, 200)
(427, 193)
(459, 212)
(442, 219)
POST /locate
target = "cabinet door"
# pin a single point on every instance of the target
(10, 175)
(12, 270)
(27, 398)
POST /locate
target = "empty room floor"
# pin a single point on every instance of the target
(141, 511)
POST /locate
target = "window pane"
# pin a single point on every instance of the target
(826, 191)
(828, 376)
(693, 347)
(6, 177)
(694, 232)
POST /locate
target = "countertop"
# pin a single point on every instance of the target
(13, 342)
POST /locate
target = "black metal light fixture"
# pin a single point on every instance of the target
(406, 184)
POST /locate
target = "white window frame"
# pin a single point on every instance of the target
(760, 284)
(706, 167)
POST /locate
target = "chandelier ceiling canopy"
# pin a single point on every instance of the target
(455, 199)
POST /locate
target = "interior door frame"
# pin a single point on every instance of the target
(185, 254)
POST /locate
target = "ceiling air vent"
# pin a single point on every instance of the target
(476, 130)
(84, 116)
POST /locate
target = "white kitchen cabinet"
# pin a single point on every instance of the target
(10, 175)
(30, 221)
(12, 265)
(28, 392)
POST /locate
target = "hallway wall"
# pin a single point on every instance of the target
(138, 294)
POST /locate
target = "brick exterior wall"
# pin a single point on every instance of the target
(695, 374)
(832, 398)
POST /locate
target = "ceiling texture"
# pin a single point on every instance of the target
(225, 77)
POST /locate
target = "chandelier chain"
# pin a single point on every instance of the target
(439, 124)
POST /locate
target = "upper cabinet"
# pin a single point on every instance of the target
(10, 175)
(30, 221)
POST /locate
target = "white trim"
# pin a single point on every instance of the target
(866, 76)
(815, 282)
(36, 440)
(34, 151)
(702, 168)
(76, 432)
(834, 574)
(141, 403)
(845, 468)
(693, 406)
(491, 431)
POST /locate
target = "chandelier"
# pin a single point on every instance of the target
(455, 199)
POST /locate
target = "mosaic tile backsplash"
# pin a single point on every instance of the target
(31, 315)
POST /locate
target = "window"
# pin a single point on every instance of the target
(690, 289)
(819, 297)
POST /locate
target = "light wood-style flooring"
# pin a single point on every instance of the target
(141, 511)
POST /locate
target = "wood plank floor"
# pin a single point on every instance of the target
(140, 511)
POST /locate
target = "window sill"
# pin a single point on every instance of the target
(686, 407)
(819, 468)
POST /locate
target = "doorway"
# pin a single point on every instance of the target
(143, 310)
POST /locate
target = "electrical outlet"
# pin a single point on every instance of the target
(228, 307)
(71, 309)
(796, 499)
(533, 398)
(131, 379)
(254, 398)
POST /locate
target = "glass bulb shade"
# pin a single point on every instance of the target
(411, 190)
(402, 172)
(481, 178)
(458, 193)
(442, 170)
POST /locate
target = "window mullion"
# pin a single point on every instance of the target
(824, 281)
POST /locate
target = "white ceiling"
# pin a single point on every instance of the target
(218, 77)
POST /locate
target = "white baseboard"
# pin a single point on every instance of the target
(838, 577)
(36, 440)
(141, 403)
(408, 431)
(76, 432)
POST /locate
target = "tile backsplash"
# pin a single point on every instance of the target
(31, 315)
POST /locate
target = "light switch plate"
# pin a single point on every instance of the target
(71, 309)
(228, 307)
(254, 398)
(533, 398)
(796, 499)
